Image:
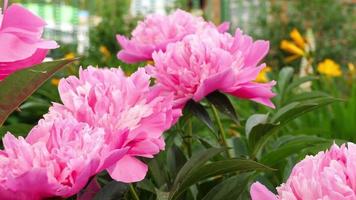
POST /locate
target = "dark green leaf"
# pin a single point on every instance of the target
(199, 111)
(231, 188)
(16, 129)
(196, 160)
(175, 159)
(17, 87)
(253, 121)
(294, 145)
(112, 191)
(162, 195)
(147, 185)
(223, 104)
(200, 173)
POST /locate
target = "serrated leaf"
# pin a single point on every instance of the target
(17, 87)
(216, 169)
(112, 191)
(230, 188)
(196, 160)
(200, 112)
(223, 104)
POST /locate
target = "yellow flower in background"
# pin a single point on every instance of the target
(352, 69)
(297, 38)
(262, 76)
(69, 55)
(297, 47)
(329, 68)
(105, 51)
(55, 81)
(150, 62)
(291, 48)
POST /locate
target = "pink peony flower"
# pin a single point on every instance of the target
(106, 121)
(55, 160)
(325, 176)
(208, 61)
(21, 45)
(157, 31)
(132, 114)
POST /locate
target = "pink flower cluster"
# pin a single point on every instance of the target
(106, 121)
(20, 40)
(325, 176)
(157, 31)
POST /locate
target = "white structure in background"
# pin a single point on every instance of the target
(65, 24)
(144, 7)
(83, 31)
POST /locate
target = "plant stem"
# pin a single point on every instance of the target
(221, 130)
(189, 139)
(134, 193)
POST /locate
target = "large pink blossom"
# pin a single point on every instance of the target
(21, 45)
(106, 121)
(156, 31)
(132, 114)
(56, 159)
(208, 61)
(326, 176)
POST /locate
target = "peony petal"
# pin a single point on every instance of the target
(260, 192)
(128, 170)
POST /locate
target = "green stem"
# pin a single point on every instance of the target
(189, 139)
(134, 193)
(221, 130)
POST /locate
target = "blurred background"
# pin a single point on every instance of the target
(87, 29)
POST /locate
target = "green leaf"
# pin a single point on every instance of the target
(217, 168)
(282, 117)
(307, 96)
(112, 191)
(17, 87)
(175, 160)
(200, 112)
(196, 160)
(294, 145)
(16, 129)
(295, 109)
(230, 188)
(253, 120)
(257, 126)
(285, 76)
(223, 104)
(259, 132)
(147, 185)
(162, 195)
(300, 81)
